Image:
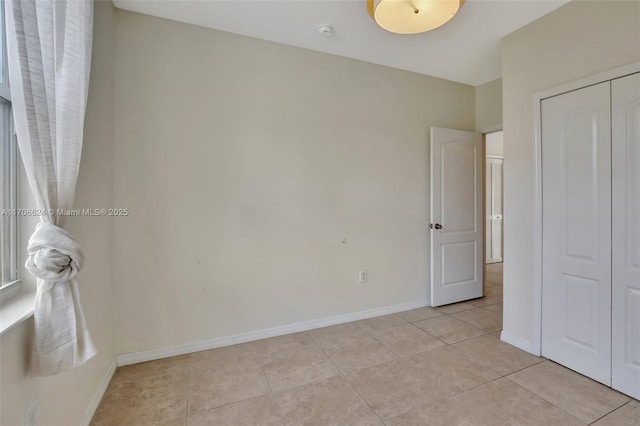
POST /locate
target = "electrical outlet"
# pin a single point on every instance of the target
(362, 276)
(30, 414)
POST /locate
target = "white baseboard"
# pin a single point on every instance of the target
(519, 343)
(99, 394)
(187, 348)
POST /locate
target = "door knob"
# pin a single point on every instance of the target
(436, 226)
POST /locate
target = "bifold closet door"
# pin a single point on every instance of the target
(625, 113)
(576, 237)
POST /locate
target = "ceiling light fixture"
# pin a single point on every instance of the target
(412, 16)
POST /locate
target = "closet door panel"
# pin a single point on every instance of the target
(625, 103)
(576, 238)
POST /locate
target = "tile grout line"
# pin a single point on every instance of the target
(615, 409)
(451, 348)
(544, 399)
(416, 370)
(469, 408)
(484, 333)
(400, 357)
(186, 414)
(403, 359)
(363, 398)
(341, 373)
(592, 380)
(319, 347)
(148, 377)
(497, 372)
(428, 334)
(272, 393)
(541, 360)
(454, 394)
(475, 326)
(227, 403)
(383, 345)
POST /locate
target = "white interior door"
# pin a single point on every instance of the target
(625, 339)
(493, 203)
(456, 216)
(576, 236)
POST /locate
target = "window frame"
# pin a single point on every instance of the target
(9, 271)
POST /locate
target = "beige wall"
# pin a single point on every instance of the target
(489, 106)
(577, 40)
(64, 399)
(246, 164)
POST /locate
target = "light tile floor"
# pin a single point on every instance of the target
(442, 366)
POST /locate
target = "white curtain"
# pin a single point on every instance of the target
(49, 52)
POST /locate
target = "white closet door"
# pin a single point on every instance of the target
(625, 103)
(576, 237)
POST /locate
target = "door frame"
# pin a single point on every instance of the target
(535, 345)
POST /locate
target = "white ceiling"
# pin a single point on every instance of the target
(467, 49)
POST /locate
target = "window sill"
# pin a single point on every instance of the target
(16, 310)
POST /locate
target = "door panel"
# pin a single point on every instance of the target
(493, 203)
(576, 215)
(458, 263)
(579, 153)
(457, 184)
(625, 103)
(580, 311)
(456, 204)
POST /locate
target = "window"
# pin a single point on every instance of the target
(8, 174)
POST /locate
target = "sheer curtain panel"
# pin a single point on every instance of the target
(49, 52)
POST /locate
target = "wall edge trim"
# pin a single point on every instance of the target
(97, 398)
(519, 343)
(218, 342)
